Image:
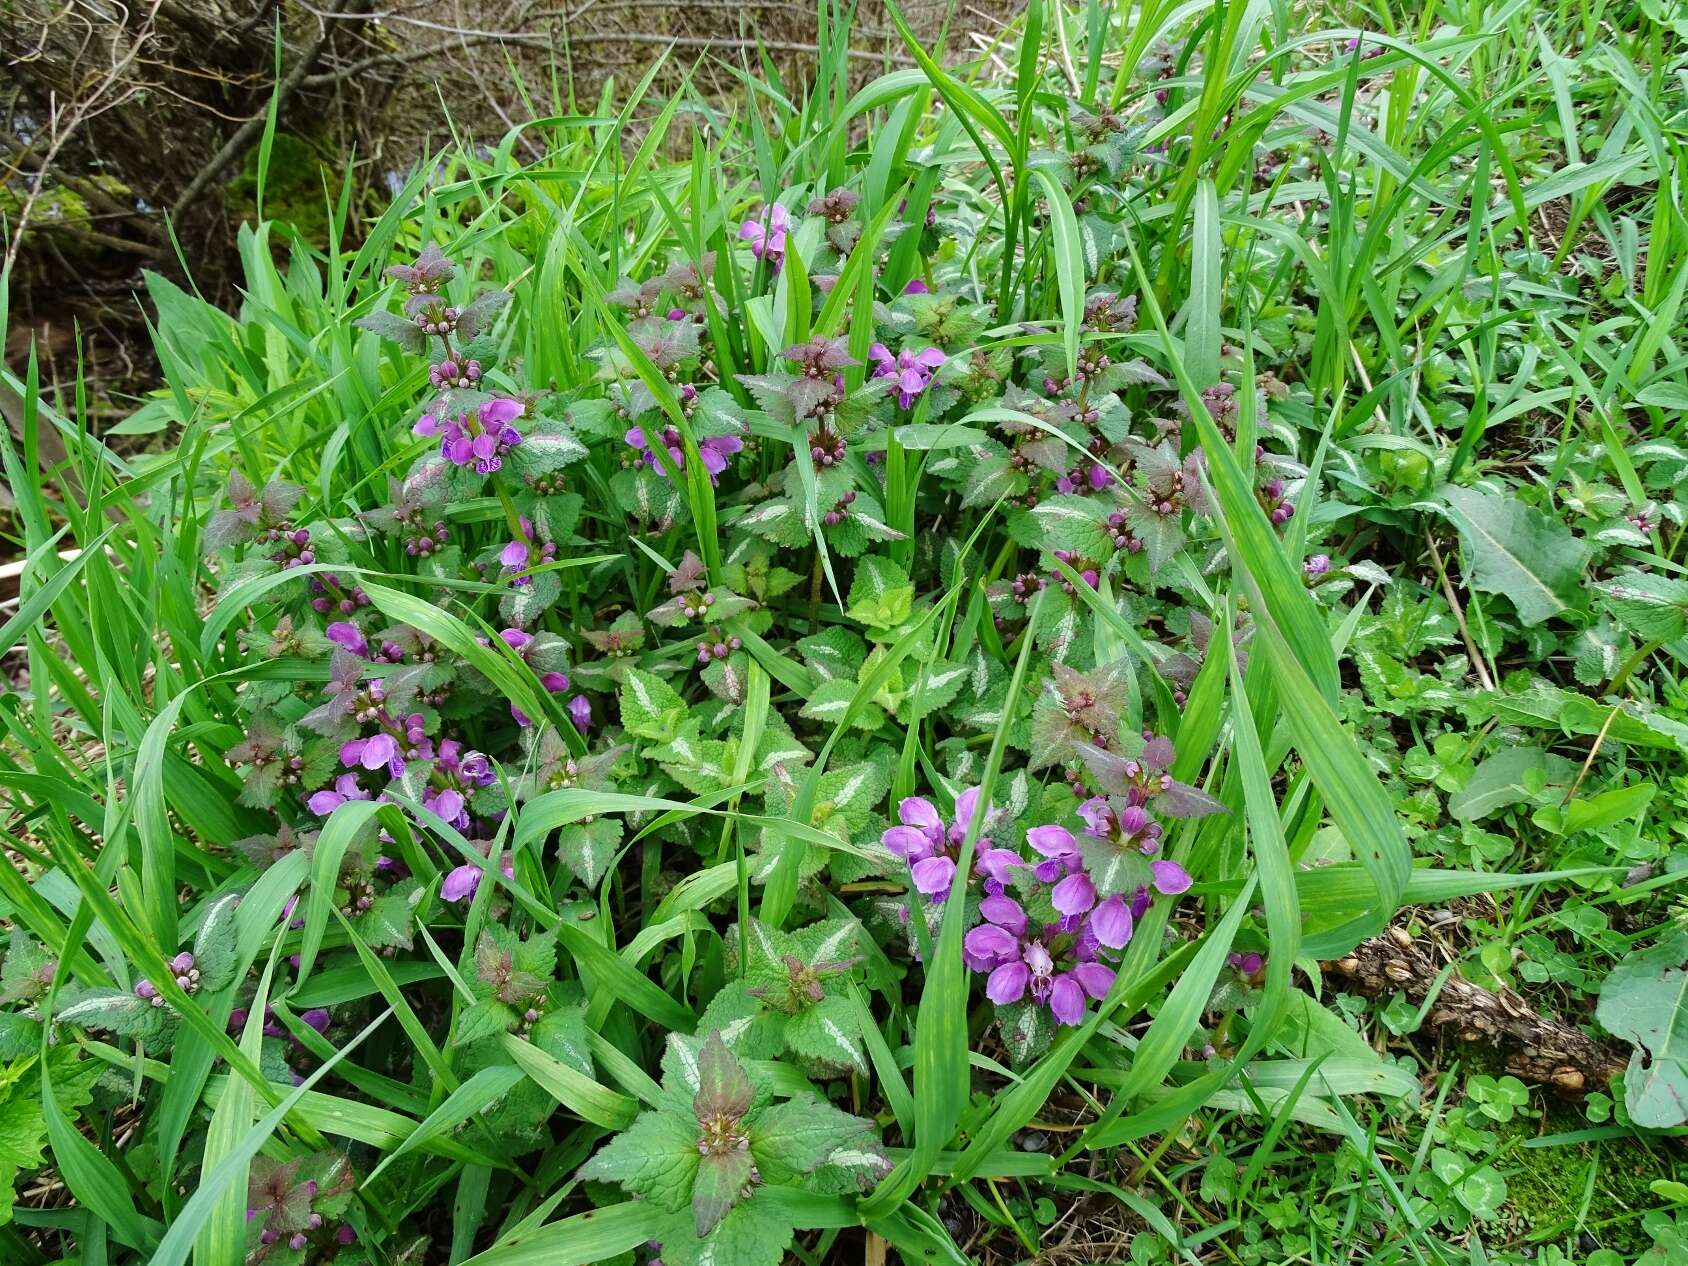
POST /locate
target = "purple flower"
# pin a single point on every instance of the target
(1058, 847)
(912, 370)
(767, 241)
(1112, 922)
(1317, 565)
(917, 287)
(930, 847)
(327, 800)
(344, 633)
(1055, 964)
(461, 882)
(1075, 894)
(714, 450)
(1170, 878)
(479, 438)
(580, 712)
(372, 753)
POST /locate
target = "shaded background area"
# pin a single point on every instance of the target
(130, 133)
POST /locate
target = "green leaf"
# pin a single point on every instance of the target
(723, 1087)
(214, 947)
(1069, 262)
(827, 1032)
(798, 1136)
(115, 1011)
(1645, 1001)
(587, 848)
(754, 1233)
(1518, 552)
(1651, 606)
(575, 1090)
(656, 1158)
(880, 595)
(596, 1235)
(1027, 1031)
(650, 708)
(720, 1182)
(1510, 776)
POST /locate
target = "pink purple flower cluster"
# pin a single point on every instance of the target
(930, 846)
(524, 553)
(913, 370)
(1058, 963)
(186, 975)
(478, 438)
(766, 235)
(1055, 964)
(714, 449)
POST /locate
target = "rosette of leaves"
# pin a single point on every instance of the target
(693, 600)
(516, 1119)
(129, 1015)
(274, 757)
(1180, 667)
(718, 1139)
(750, 568)
(619, 644)
(348, 694)
(473, 319)
(250, 511)
(265, 850)
(792, 992)
(1137, 775)
(1078, 707)
(945, 319)
(511, 983)
(586, 847)
(844, 508)
(295, 1207)
(837, 207)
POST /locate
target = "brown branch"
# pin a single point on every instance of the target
(248, 132)
(353, 69)
(78, 112)
(1536, 1048)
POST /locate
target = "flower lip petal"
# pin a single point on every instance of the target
(991, 944)
(1111, 922)
(933, 876)
(1066, 999)
(1075, 894)
(917, 811)
(1170, 878)
(500, 411)
(1052, 841)
(1005, 912)
(1096, 978)
(1007, 983)
(907, 841)
(461, 882)
(997, 863)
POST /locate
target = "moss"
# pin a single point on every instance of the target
(1546, 1186)
(297, 187)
